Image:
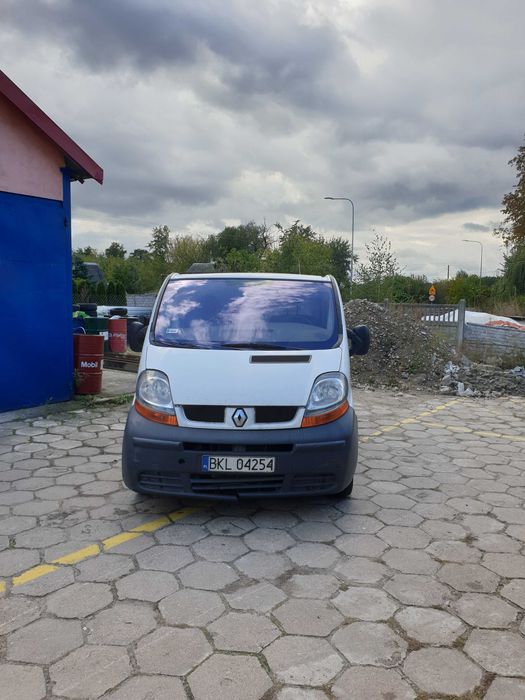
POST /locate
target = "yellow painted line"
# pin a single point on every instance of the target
(152, 525)
(114, 541)
(32, 574)
(90, 551)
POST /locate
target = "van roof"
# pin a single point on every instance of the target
(252, 275)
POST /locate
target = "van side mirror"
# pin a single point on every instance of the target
(359, 338)
(136, 335)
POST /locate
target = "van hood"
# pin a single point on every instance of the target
(231, 378)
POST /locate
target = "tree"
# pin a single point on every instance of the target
(381, 265)
(115, 250)
(139, 254)
(160, 242)
(512, 229)
(514, 271)
(100, 293)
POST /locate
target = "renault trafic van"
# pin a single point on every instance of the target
(244, 390)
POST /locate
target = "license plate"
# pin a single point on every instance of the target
(212, 463)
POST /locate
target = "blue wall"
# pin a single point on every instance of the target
(36, 354)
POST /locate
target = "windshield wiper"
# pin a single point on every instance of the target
(178, 344)
(256, 346)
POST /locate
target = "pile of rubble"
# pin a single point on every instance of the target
(476, 379)
(404, 353)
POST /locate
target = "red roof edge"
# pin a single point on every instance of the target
(84, 166)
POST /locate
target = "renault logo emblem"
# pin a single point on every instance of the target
(239, 417)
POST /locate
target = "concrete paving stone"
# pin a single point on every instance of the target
(306, 661)
(396, 516)
(79, 600)
(370, 644)
(469, 505)
(314, 555)
(105, 567)
(268, 540)
(481, 610)
(149, 688)
(165, 557)
(44, 640)
(16, 613)
(410, 561)
(359, 524)
(316, 532)
(506, 565)
(260, 597)
(427, 496)
(274, 519)
(191, 607)
(13, 561)
(33, 483)
(500, 499)
(40, 537)
(236, 677)
(180, 533)
(43, 585)
(311, 586)
(22, 681)
(392, 500)
(290, 693)
(517, 532)
(506, 689)
(57, 493)
(469, 578)
(443, 530)
(356, 507)
(149, 586)
(365, 603)
(232, 527)
(497, 543)
(404, 537)
(16, 524)
(454, 551)
(172, 651)
(513, 516)
(445, 671)
(36, 508)
(262, 565)
(89, 672)
(121, 624)
(372, 684)
(430, 626)
(480, 524)
(361, 570)
(308, 617)
(413, 589)
(245, 632)
(208, 576)
(361, 545)
(515, 592)
(219, 548)
(99, 488)
(497, 651)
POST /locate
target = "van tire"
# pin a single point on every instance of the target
(345, 492)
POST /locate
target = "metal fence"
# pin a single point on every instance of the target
(447, 320)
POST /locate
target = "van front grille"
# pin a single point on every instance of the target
(235, 485)
(263, 414)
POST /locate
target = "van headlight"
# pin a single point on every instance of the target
(153, 397)
(328, 400)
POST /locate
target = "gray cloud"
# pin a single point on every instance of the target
(209, 110)
(468, 226)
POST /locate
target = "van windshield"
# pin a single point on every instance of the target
(251, 313)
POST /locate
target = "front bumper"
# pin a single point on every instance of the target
(166, 460)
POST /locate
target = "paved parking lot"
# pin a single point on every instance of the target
(413, 588)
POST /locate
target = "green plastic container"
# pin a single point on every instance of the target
(97, 326)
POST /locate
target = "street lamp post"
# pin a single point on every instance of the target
(347, 199)
(468, 240)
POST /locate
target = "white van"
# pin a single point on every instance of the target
(244, 390)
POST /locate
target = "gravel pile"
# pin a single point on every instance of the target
(404, 353)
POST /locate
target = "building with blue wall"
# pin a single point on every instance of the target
(38, 162)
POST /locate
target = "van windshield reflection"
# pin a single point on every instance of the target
(247, 313)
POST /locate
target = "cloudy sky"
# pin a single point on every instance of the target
(209, 112)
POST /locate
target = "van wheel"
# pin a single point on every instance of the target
(345, 492)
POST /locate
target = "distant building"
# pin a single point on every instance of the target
(38, 162)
